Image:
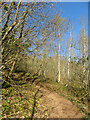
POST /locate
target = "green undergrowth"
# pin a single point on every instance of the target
(23, 99)
(14, 105)
(77, 95)
(21, 78)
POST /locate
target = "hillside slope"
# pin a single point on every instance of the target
(58, 106)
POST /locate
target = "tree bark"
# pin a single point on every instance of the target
(12, 26)
(69, 59)
(59, 74)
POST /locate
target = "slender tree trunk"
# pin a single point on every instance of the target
(84, 52)
(84, 69)
(69, 59)
(69, 64)
(59, 76)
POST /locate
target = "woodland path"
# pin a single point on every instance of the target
(58, 106)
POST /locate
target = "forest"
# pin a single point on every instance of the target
(43, 65)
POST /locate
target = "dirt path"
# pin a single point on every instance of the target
(58, 106)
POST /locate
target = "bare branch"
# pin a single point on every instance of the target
(12, 26)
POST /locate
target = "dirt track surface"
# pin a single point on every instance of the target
(58, 106)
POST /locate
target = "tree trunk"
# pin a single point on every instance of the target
(59, 76)
(69, 59)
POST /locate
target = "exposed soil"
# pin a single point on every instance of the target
(49, 105)
(57, 106)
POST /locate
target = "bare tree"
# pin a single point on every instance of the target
(69, 58)
(59, 74)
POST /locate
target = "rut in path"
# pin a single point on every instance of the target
(58, 106)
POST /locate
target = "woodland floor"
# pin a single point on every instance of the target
(39, 102)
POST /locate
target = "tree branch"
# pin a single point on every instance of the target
(12, 26)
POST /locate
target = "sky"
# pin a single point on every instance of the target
(71, 10)
(74, 11)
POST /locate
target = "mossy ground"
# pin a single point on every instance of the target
(24, 99)
(27, 105)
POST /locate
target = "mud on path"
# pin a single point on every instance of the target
(57, 106)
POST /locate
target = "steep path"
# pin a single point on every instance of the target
(58, 106)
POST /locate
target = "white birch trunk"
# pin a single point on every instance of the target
(39, 72)
(59, 64)
(69, 64)
(84, 58)
(84, 69)
(84, 51)
(69, 58)
(59, 76)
